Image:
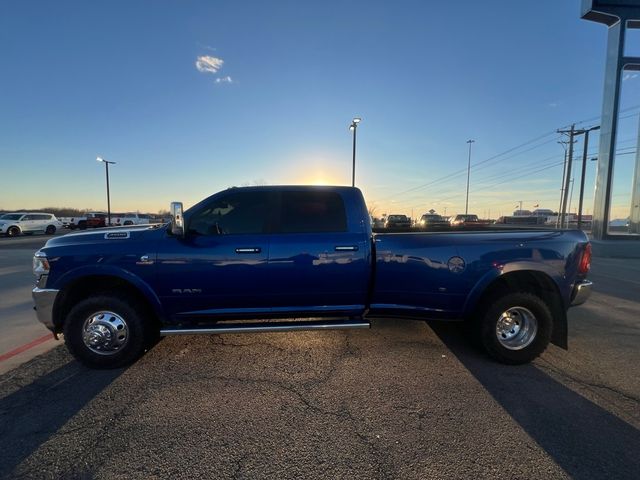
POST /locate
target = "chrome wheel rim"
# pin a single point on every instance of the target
(105, 333)
(516, 328)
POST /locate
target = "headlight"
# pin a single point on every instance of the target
(40, 264)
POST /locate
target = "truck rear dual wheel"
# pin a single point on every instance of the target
(105, 331)
(516, 328)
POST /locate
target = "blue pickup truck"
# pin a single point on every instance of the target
(298, 258)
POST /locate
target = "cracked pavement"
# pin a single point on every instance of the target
(402, 400)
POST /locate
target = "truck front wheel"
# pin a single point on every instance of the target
(105, 331)
(516, 328)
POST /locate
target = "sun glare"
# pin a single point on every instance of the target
(320, 180)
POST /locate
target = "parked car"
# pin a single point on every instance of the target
(89, 219)
(432, 220)
(66, 221)
(465, 219)
(377, 222)
(397, 221)
(521, 220)
(14, 224)
(543, 212)
(307, 254)
(118, 219)
(95, 220)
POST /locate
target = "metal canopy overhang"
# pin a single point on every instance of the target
(610, 12)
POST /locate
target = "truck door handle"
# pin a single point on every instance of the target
(346, 248)
(248, 250)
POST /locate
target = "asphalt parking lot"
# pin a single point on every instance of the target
(20, 337)
(402, 400)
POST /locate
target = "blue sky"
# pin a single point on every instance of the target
(120, 80)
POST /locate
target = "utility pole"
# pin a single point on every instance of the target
(570, 198)
(564, 174)
(466, 205)
(584, 168)
(565, 195)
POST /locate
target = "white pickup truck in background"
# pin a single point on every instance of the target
(99, 219)
(129, 219)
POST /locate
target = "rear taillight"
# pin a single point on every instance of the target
(585, 260)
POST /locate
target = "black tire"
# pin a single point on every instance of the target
(531, 348)
(140, 330)
(13, 232)
(128, 222)
(82, 225)
(50, 230)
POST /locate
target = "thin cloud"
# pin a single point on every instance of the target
(226, 79)
(208, 64)
(206, 47)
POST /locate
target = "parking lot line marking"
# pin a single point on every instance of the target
(25, 347)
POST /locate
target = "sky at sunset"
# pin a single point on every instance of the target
(193, 97)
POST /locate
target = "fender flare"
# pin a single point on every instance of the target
(111, 271)
(559, 335)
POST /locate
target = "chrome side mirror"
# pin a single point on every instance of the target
(177, 222)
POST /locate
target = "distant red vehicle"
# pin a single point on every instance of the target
(97, 220)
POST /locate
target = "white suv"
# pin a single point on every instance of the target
(13, 224)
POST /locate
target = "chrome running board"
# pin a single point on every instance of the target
(257, 327)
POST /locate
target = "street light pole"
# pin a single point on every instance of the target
(466, 205)
(354, 127)
(106, 165)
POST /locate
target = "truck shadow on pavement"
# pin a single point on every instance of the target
(35, 412)
(584, 439)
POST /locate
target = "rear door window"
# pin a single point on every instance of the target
(311, 212)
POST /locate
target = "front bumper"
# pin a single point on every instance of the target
(581, 292)
(44, 298)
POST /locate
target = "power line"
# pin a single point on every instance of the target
(499, 183)
(464, 170)
(449, 178)
(540, 137)
(524, 174)
(493, 177)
